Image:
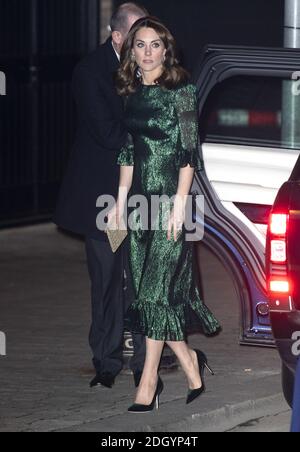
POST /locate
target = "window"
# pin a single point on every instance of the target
(255, 111)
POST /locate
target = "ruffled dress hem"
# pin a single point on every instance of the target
(159, 322)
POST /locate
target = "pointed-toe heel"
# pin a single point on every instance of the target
(202, 364)
(139, 408)
(209, 369)
(194, 393)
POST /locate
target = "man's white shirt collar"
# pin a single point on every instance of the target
(118, 56)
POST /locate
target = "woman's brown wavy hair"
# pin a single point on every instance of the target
(128, 79)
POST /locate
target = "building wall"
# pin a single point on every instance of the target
(196, 23)
(40, 43)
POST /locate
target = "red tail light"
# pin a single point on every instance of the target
(278, 224)
(280, 286)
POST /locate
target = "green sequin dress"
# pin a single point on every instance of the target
(163, 135)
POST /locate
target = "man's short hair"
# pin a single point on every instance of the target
(120, 17)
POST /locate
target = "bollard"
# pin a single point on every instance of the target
(2, 344)
(2, 84)
(128, 349)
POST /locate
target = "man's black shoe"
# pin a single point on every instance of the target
(103, 379)
(137, 378)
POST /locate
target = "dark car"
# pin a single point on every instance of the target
(249, 136)
(283, 276)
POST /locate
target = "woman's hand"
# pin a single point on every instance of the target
(177, 217)
(115, 216)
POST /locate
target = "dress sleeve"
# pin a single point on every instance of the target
(126, 155)
(186, 108)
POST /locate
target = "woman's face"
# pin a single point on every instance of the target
(149, 50)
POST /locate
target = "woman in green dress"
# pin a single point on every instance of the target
(159, 159)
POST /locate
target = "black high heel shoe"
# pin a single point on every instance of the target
(202, 363)
(203, 360)
(139, 408)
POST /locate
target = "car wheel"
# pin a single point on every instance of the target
(287, 384)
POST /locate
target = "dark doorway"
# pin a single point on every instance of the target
(41, 41)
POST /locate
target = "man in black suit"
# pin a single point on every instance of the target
(93, 171)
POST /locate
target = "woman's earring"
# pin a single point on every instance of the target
(138, 73)
(133, 58)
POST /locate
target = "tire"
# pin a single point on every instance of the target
(287, 379)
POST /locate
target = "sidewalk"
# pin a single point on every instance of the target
(44, 379)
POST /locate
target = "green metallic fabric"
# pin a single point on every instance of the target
(163, 134)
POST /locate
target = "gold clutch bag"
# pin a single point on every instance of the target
(115, 236)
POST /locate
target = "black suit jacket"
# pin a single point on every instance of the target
(92, 170)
